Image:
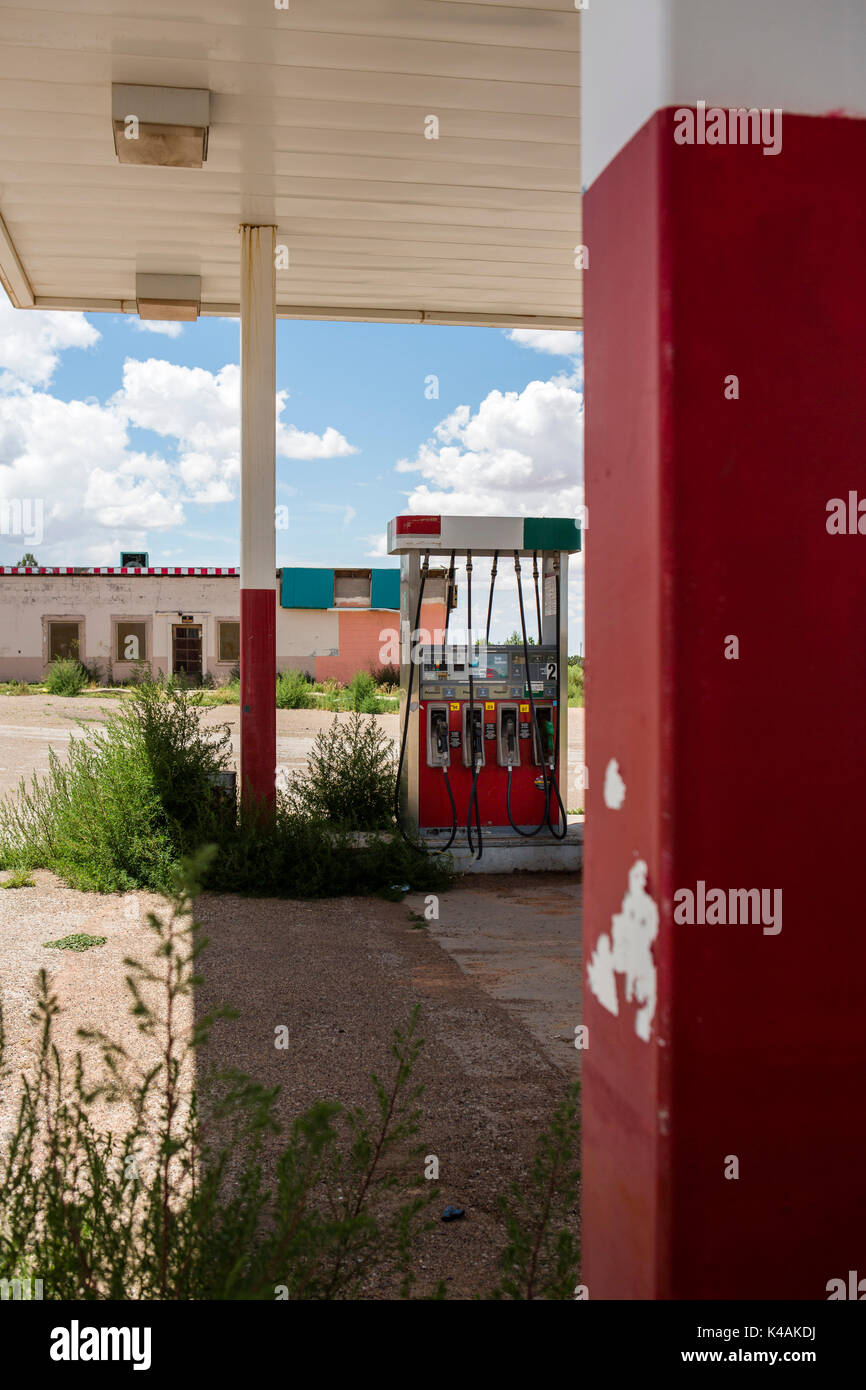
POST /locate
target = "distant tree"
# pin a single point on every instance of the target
(28, 559)
(516, 640)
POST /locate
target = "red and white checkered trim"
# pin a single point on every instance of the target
(219, 570)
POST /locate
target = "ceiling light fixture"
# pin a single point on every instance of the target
(164, 126)
(166, 297)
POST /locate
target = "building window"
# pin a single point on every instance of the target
(229, 642)
(64, 640)
(130, 642)
(352, 588)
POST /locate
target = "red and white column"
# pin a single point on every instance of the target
(258, 496)
(724, 1129)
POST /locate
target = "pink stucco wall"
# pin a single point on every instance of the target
(361, 642)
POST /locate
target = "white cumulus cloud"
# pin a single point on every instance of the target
(31, 341)
(556, 341)
(169, 328)
(518, 454)
(81, 462)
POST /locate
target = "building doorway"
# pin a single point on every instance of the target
(186, 651)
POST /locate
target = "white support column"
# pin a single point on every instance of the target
(410, 584)
(258, 499)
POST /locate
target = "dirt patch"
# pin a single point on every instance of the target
(340, 975)
(522, 946)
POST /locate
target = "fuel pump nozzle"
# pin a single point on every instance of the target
(440, 730)
(477, 743)
(508, 753)
(549, 740)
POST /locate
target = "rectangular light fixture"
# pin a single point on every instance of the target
(168, 296)
(163, 126)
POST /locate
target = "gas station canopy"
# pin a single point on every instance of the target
(419, 158)
(482, 535)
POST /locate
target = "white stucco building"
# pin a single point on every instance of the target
(329, 622)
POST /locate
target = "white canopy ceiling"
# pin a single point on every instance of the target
(318, 125)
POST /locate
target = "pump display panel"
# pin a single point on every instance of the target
(496, 672)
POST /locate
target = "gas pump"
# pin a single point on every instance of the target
(483, 737)
(544, 723)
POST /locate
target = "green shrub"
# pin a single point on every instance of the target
(349, 777)
(66, 677)
(386, 677)
(78, 941)
(19, 878)
(361, 687)
(294, 691)
(129, 800)
(137, 794)
(228, 693)
(575, 681)
(97, 672)
(292, 854)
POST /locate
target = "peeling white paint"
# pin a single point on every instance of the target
(628, 951)
(614, 786)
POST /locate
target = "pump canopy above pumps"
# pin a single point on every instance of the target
(483, 535)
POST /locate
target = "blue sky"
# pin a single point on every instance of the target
(130, 439)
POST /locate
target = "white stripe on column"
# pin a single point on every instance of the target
(258, 407)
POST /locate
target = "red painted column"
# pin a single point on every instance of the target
(709, 522)
(258, 537)
(258, 694)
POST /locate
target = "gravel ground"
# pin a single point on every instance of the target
(339, 975)
(496, 975)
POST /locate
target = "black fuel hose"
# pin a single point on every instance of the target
(563, 714)
(537, 595)
(490, 597)
(476, 760)
(536, 732)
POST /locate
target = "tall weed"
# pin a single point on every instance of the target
(66, 677)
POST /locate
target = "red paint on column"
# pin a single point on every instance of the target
(623, 1149)
(258, 695)
(709, 520)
